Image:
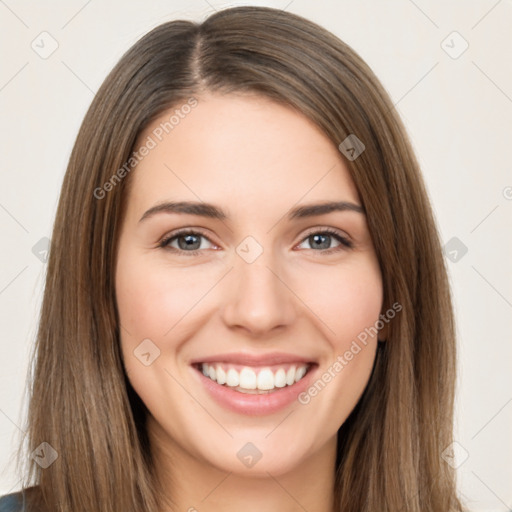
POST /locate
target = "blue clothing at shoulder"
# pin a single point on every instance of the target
(12, 503)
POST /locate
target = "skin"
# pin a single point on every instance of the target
(256, 160)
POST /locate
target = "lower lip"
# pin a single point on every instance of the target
(252, 404)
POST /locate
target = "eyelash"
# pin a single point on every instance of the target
(345, 243)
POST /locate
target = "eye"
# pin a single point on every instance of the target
(322, 241)
(188, 241)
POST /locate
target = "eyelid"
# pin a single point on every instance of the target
(325, 229)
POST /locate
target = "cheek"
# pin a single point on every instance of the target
(151, 303)
(148, 304)
(347, 299)
(348, 310)
(162, 305)
(152, 300)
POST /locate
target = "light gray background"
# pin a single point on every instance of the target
(458, 112)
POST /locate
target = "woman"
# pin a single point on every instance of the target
(246, 301)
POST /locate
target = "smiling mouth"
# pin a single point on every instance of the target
(254, 380)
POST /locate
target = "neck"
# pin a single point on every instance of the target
(192, 484)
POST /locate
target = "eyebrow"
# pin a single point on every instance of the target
(214, 212)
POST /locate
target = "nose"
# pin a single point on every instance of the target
(258, 299)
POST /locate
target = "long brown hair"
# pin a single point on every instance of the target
(81, 403)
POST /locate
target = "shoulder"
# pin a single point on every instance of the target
(15, 502)
(12, 502)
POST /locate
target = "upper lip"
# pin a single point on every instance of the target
(254, 359)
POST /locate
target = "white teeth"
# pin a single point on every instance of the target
(247, 379)
(265, 379)
(221, 375)
(301, 371)
(280, 378)
(233, 378)
(290, 376)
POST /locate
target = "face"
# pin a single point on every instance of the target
(223, 260)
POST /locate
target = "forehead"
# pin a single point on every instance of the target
(247, 152)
